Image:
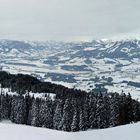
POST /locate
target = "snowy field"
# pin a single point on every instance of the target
(36, 95)
(83, 79)
(9, 131)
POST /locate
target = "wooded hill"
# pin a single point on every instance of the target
(26, 83)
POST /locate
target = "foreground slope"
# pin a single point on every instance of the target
(15, 132)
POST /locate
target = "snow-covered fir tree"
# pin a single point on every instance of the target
(45, 113)
(35, 117)
(114, 110)
(75, 119)
(66, 120)
(58, 114)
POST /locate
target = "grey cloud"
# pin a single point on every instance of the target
(68, 19)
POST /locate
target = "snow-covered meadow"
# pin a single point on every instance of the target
(9, 131)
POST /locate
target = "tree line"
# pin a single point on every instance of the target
(70, 111)
(21, 83)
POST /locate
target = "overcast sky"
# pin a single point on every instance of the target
(69, 19)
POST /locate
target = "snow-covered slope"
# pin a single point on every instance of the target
(29, 49)
(9, 131)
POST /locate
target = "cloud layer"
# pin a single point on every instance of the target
(68, 19)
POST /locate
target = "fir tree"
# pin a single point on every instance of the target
(74, 124)
(66, 119)
(20, 116)
(35, 120)
(100, 112)
(46, 116)
(114, 110)
(92, 111)
(58, 114)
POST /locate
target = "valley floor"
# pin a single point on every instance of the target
(9, 131)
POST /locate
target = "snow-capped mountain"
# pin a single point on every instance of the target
(96, 49)
(111, 49)
(22, 49)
